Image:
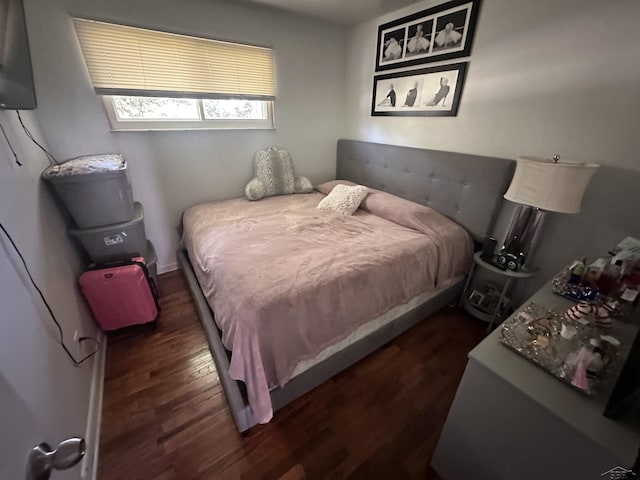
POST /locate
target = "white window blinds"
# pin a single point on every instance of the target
(139, 62)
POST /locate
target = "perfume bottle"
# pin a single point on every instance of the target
(577, 270)
(609, 277)
(588, 365)
(566, 342)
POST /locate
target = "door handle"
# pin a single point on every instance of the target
(42, 459)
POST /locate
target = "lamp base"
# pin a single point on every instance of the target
(521, 238)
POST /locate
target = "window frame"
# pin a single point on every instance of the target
(174, 124)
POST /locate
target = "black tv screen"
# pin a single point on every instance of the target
(16, 77)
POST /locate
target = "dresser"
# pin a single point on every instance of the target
(512, 420)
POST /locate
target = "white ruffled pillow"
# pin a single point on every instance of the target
(344, 199)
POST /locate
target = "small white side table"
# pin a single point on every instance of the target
(509, 277)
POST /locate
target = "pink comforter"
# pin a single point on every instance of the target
(286, 280)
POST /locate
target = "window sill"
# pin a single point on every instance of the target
(189, 129)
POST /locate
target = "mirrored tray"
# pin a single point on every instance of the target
(575, 353)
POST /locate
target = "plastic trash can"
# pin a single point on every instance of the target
(95, 189)
(115, 242)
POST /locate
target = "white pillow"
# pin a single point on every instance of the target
(344, 199)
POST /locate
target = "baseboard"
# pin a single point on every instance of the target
(169, 267)
(89, 467)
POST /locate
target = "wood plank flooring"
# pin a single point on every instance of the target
(165, 416)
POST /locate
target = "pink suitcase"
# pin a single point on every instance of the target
(120, 293)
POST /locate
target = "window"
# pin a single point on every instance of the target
(163, 113)
(152, 80)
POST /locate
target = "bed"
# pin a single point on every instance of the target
(300, 294)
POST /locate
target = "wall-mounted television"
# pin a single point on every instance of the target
(16, 77)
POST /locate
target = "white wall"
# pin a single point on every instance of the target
(31, 360)
(557, 76)
(173, 170)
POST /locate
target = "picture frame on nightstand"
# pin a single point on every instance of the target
(476, 298)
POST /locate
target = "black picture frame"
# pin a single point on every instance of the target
(400, 44)
(437, 92)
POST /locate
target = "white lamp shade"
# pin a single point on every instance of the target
(556, 187)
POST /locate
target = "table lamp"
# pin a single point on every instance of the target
(539, 186)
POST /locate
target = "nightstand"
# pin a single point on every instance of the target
(491, 313)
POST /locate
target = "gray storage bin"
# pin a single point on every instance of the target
(95, 189)
(114, 242)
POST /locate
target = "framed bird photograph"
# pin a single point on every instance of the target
(439, 33)
(426, 92)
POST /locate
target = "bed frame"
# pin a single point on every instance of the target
(465, 188)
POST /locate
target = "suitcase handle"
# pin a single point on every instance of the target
(154, 290)
(115, 263)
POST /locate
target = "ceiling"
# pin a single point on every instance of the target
(345, 12)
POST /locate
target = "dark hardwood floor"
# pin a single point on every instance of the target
(165, 415)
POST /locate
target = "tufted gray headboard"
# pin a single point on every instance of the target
(466, 188)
